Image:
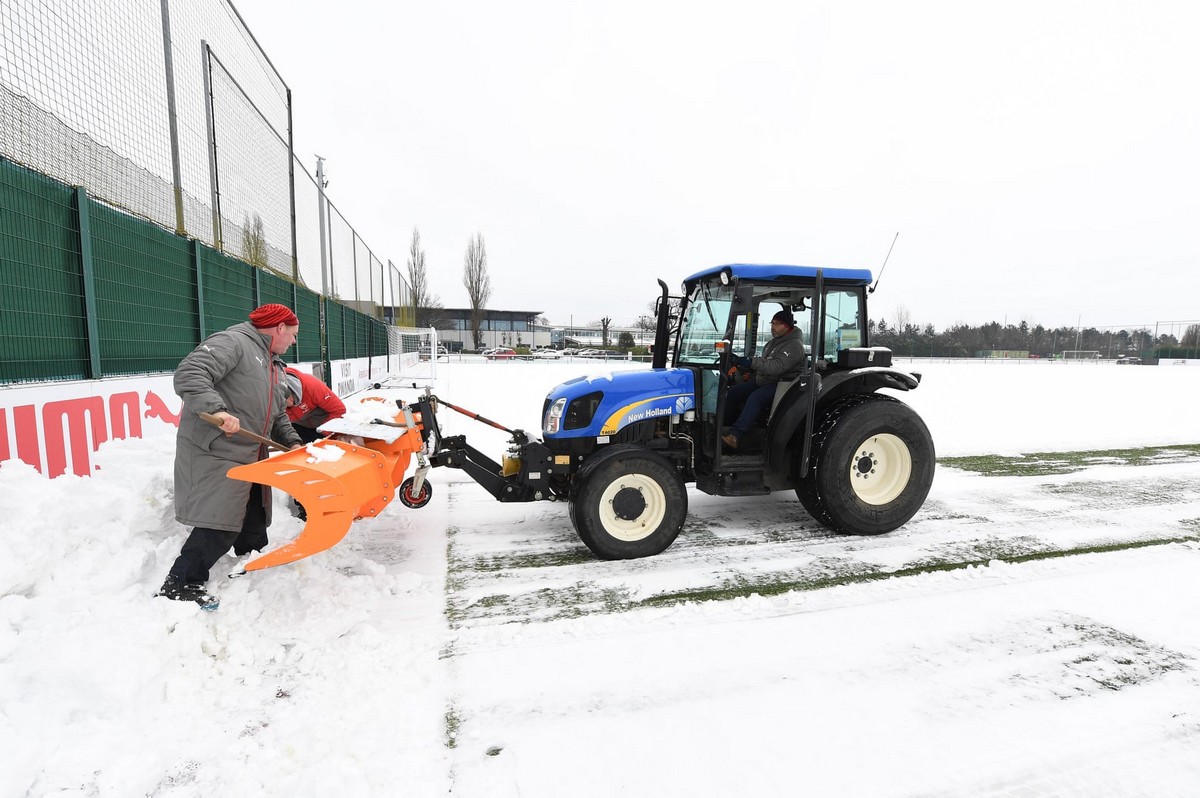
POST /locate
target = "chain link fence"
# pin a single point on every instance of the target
(169, 110)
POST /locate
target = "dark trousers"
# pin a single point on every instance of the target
(749, 402)
(307, 434)
(205, 546)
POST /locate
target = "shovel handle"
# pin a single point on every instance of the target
(216, 422)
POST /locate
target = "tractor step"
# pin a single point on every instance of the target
(742, 462)
(745, 482)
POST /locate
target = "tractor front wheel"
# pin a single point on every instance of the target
(630, 503)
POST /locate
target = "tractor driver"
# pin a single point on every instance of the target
(782, 359)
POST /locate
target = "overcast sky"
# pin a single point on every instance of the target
(1038, 159)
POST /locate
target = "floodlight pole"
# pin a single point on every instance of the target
(324, 259)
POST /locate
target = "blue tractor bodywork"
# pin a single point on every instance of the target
(603, 405)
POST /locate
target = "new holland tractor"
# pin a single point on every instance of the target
(621, 448)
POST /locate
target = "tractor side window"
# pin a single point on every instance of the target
(843, 322)
(767, 311)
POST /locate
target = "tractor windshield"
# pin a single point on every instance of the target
(705, 323)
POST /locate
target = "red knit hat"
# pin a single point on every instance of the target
(273, 314)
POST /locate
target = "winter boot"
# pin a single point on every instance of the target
(178, 590)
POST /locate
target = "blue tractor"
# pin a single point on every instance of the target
(621, 448)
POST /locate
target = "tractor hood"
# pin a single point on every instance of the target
(603, 404)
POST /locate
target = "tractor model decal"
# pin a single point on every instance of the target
(654, 407)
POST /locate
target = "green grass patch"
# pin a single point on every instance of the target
(453, 722)
(542, 605)
(739, 589)
(545, 559)
(1038, 464)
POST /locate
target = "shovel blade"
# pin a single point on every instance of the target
(318, 535)
(332, 488)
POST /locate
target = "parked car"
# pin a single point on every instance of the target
(1126, 360)
(424, 351)
(499, 353)
(551, 354)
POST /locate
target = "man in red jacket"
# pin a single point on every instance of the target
(310, 404)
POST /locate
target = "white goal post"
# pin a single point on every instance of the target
(1080, 354)
(413, 354)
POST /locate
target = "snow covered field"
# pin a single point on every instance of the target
(1028, 634)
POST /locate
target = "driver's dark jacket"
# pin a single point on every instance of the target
(782, 359)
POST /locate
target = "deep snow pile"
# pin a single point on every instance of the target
(342, 673)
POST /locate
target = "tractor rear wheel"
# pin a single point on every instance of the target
(872, 466)
(629, 503)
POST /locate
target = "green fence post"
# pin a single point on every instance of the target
(198, 263)
(89, 280)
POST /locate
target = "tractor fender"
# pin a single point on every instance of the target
(612, 452)
(788, 418)
(865, 380)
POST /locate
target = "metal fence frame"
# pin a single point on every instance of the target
(172, 112)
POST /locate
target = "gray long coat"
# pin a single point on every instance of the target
(232, 370)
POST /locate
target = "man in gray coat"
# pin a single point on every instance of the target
(232, 375)
(782, 359)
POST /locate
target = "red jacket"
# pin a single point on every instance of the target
(318, 402)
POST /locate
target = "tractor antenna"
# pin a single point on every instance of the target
(871, 290)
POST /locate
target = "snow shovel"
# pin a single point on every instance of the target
(338, 482)
(270, 444)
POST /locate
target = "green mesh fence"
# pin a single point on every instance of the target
(146, 310)
(308, 309)
(335, 331)
(227, 285)
(89, 291)
(43, 330)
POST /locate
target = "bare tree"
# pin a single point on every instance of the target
(604, 325)
(428, 305)
(1191, 336)
(477, 283)
(254, 241)
(645, 324)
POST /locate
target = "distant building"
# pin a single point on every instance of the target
(515, 328)
(510, 328)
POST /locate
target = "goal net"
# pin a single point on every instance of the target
(413, 354)
(1080, 354)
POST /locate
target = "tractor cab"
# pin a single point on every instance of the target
(621, 446)
(726, 315)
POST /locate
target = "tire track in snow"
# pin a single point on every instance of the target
(523, 562)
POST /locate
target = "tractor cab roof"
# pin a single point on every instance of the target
(762, 272)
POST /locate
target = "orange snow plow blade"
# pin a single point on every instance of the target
(337, 482)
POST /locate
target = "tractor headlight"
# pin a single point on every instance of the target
(554, 416)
